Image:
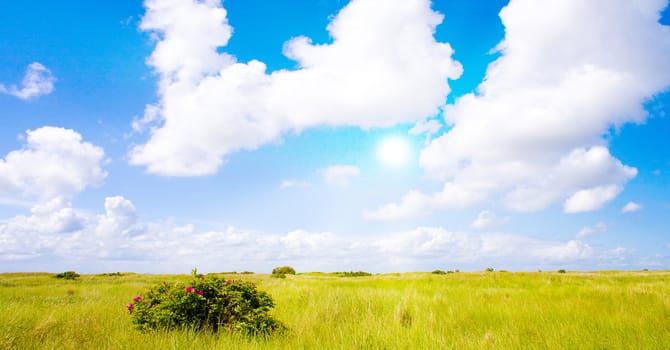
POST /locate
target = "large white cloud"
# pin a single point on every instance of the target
(382, 68)
(54, 162)
(38, 81)
(532, 135)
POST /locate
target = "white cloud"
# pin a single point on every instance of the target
(428, 127)
(487, 219)
(339, 175)
(54, 162)
(52, 217)
(120, 216)
(589, 230)
(532, 134)
(591, 199)
(117, 241)
(631, 207)
(294, 183)
(38, 81)
(383, 67)
(415, 203)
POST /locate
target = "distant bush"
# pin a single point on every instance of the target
(283, 270)
(354, 274)
(246, 273)
(489, 269)
(68, 275)
(111, 274)
(561, 271)
(438, 272)
(206, 303)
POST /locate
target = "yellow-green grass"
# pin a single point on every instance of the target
(490, 310)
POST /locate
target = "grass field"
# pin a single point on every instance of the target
(488, 310)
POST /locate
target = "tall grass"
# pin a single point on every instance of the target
(495, 310)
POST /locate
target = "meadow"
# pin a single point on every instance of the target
(473, 310)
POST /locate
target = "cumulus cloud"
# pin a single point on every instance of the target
(383, 67)
(532, 135)
(631, 207)
(339, 175)
(57, 236)
(52, 217)
(486, 219)
(37, 81)
(54, 162)
(589, 230)
(120, 216)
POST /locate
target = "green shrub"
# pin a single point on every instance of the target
(561, 271)
(206, 303)
(438, 272)
(283, 270)
(489, 269)
(354, 274)
(68, 275)
(111, 274)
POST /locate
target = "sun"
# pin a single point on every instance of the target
(394, 151)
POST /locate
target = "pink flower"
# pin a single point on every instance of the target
(130, 307)
(199, 292)
(137, 298)
(189, 289)
(228, 282)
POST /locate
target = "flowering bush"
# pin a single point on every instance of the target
(207, 302)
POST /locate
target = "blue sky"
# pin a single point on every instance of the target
(334, 135)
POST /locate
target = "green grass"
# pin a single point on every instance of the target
(494, 310)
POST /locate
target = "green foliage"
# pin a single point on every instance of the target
(354, 274)
(283, 270)
(561, 271)
(438, 272)
(68, 275)
(111, 274)
(489, 269)
(207, 302)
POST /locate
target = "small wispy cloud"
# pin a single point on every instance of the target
(339, 175)
(589, 230)
(487, 219)
(37, 81)
(631, 207)
(294, 183)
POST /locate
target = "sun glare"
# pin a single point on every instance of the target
(393, 151)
